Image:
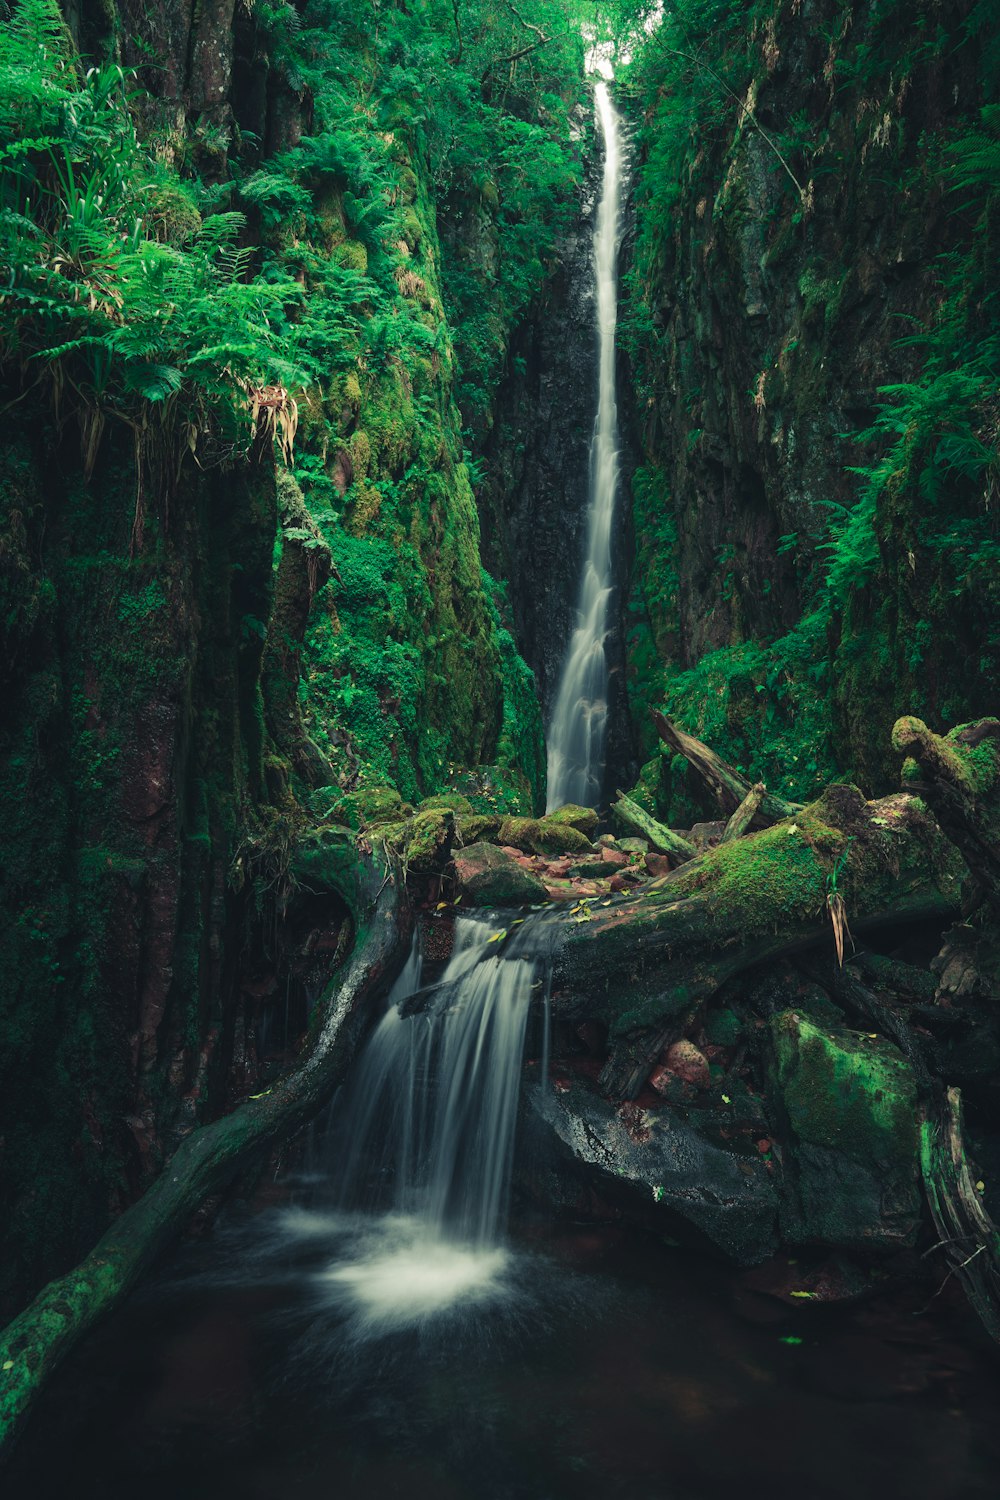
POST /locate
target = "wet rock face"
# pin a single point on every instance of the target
(533, 503)
(847, 1105)
(653, 1165)
(776, 321)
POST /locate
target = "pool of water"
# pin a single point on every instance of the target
(310, 1354)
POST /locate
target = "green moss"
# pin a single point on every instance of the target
(848, 1108)
(543, 836)
(583, 819)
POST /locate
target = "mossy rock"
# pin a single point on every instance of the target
(373, 805)
(584, 819)
(543, 836)
(723, 1027)
(633, 846)
(845, 1104)
(428, 840)
(489, 877)
(479, 827)
(452, 800)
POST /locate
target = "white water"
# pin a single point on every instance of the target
(579, 719)
(428, 1139)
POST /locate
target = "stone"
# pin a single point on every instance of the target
(428, 839)
(686, 1062)
(479, 828)
(706, 835)
(489, 876)
(653, 1165)
(583, 819)
(453, 800)
(844, 1105)
(657, 865)
(634, 846)
(544, 836)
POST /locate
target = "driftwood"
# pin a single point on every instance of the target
(32, 1346)
(958, 776)
(645, 964)
(728, 786)
(663, 839)
(969, 1239)
(740, 822)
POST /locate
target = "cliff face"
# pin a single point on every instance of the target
(800, 240)
(220, 634)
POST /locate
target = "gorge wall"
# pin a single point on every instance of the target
(810, 299)
(235, 619)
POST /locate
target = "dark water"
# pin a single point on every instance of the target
(588, 1364)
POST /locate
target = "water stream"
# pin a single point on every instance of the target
(420, 1163)
(578, 726)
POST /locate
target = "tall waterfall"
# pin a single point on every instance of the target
(579, 720)
(428, 1132)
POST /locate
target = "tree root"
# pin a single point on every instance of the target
(35, 1343)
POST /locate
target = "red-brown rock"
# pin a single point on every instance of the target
(686, 1062)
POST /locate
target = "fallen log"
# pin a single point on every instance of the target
(740, 822)
(728, 786)
(958, 776)
(663, 839)
(35, 1342)
(645, 964)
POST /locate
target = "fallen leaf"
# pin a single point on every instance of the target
(789, 1338)
(804, 1294)
(726, 1099)
(980, 1187)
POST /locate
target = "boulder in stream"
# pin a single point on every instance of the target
(488, 876)
(653, 1165)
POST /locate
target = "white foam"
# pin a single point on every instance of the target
(405, 1283)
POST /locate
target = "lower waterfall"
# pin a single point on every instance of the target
(425, 1134)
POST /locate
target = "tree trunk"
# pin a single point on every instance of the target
(728, 786)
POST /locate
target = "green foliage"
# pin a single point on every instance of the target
(763, 708)
(117, 294)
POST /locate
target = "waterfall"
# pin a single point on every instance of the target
(579, 720)
(428, 1132)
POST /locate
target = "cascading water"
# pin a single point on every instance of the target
(427, 1139)
(579, 720)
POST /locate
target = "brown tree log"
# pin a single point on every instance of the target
(35, 1342)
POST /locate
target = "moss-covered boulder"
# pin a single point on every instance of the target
(480, 827)
(489, 877)
(427, 839)
(372, 805)
(845, 1106)
(583, 819)
(452, 800)
(543, 836)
